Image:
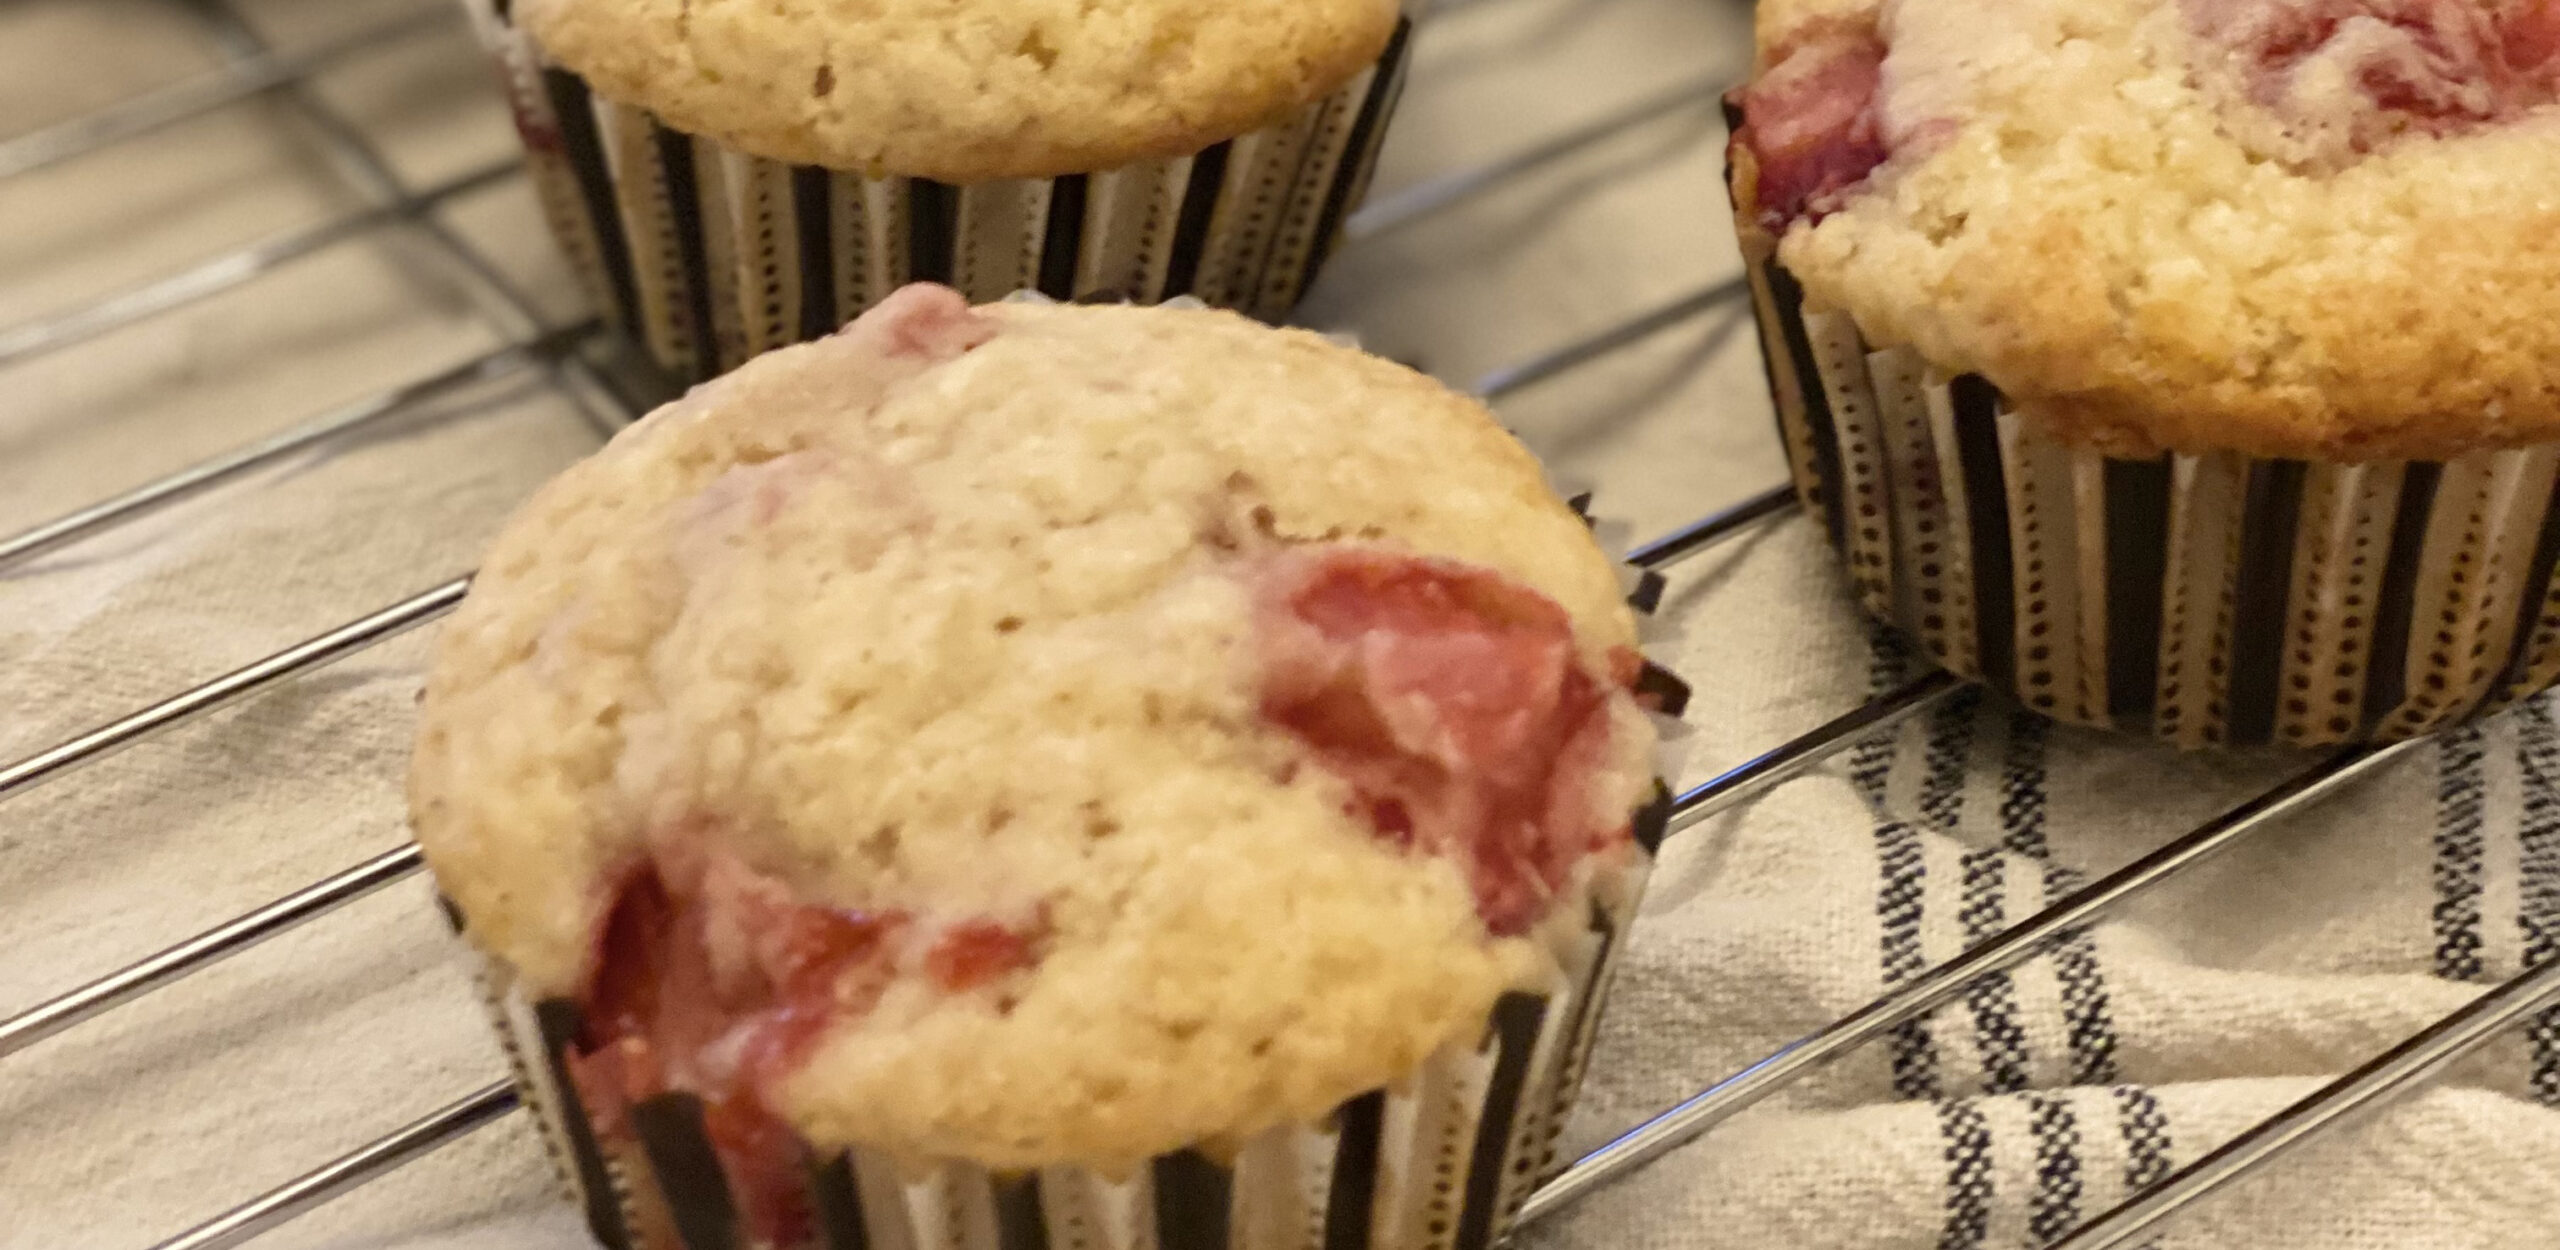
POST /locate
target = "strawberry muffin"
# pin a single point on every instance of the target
(1123, 776)
(731, 177)
(2191, 366)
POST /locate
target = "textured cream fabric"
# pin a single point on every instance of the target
(2231, 992)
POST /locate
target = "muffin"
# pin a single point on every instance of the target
(1040, 774)
(2192, 368)
(728, 178)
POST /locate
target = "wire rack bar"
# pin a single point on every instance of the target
(345, 640)
(440, 1127)
(150, 497)
(1528, 373)
(1389, 212)
(222, 273)
(513, 315)
(205, 949)
(362, 164)
(503, 307)
(1706, 531)
(2011, 947)
(2388, 1076)
(242, 78)
(1800, 754)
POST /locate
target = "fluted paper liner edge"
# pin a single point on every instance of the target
(710, 256)
(2209, 600)
(1440, 1161)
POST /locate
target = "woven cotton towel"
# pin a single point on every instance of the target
(2036, 1101)
(2042, 1097)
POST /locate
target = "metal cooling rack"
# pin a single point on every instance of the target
(610, 397)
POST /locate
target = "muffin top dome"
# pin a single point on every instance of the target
(964, 92)
(2314, 228)
(1038, 734)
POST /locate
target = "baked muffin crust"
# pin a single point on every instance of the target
(2308, 228)
(956, 624)
(964, 92)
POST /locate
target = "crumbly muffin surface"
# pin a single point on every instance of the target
(956, 626)
(2316, 228)
(964, 92)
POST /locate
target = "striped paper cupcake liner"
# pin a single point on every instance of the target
(1440, 1161)
(2209, 600)
(708, 256)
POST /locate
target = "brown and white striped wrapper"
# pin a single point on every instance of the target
(1440, 1160)
(2216, 599)
(708, 256)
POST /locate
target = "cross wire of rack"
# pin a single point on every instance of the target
(252, 69)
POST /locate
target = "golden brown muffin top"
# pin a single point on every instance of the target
(950, 652)
(2326, 229)
(964, 92)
